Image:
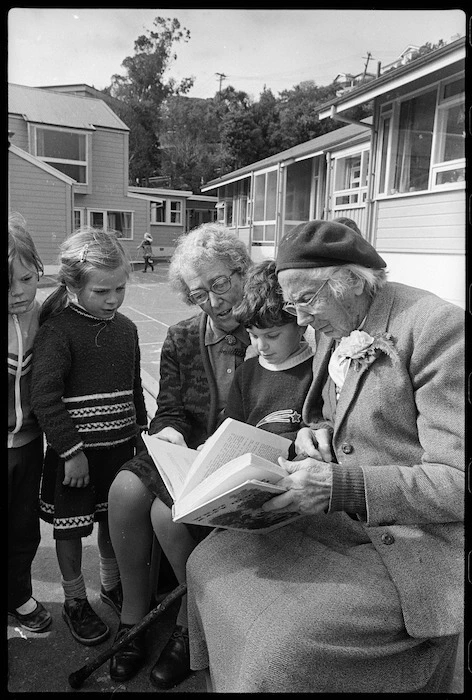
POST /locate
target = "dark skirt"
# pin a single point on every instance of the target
(72, 511)
(143, 466)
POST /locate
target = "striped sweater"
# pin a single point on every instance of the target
(86, 382)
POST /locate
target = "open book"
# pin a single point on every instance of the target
(226, 482)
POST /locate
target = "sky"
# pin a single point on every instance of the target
(248, 49)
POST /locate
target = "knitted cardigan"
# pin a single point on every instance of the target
(22, 424)
(86, 383)
(188, 395)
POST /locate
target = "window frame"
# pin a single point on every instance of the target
(359, 192)
(387, 165)
(105, 213)
(54, 162)
(170, 211)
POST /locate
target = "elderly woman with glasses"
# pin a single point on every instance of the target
(363, 593)
(198, 360)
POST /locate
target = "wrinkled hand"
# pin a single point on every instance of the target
(76, 471)
(308, 485)
(172, 435)
(314, 443)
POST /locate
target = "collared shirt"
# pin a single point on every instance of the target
(226, 351)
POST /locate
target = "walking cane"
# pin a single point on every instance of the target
(77, 678)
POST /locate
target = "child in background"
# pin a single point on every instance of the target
(268, 391)
(25, 439)
(146, 245)
(88, 398)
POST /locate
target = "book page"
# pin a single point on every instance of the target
(233, 439)
(230, 475)
(172, 461)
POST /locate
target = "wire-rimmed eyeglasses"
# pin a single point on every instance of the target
(291, 307)
(220, 286)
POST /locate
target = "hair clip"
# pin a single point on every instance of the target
(83, 254)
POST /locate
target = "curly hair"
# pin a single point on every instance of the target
(262, 302)
(202, 247)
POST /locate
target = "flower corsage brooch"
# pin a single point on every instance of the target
(362, 349)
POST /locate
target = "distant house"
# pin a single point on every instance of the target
(347, 81)
(405, 56)
(416, 200)
(68, 166)
(325, 177)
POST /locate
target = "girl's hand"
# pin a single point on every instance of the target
(171, 435)
(76, 471)
(314, 443)
(308, 485)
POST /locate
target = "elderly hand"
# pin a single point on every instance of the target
(314, 443)
(309, 487)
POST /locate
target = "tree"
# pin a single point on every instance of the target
(143, 89)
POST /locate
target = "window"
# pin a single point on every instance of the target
(119, 221)
(64, 150)
(350, 179)
(243, 202)
(166, 211)
(297, 191)
(79, 218)
(429, 151)
(265, 201)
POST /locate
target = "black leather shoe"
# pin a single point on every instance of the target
(128, 660)
(85, 625)
(173, 665)
(36, 621)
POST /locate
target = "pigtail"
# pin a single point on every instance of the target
(54, 303)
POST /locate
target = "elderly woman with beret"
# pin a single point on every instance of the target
(363, 593)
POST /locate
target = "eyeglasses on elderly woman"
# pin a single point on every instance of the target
(220, 286)
(291, 307)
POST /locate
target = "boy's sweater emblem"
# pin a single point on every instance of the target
(287, 415)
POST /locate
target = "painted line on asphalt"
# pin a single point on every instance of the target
(137, 311)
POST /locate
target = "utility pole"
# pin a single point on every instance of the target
(222, 77)
(368, 57)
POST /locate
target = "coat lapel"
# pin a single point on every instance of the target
(376, 322)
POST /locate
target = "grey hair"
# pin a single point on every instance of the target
(204, 246)
(342, 277)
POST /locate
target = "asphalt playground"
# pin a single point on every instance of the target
(42, 663)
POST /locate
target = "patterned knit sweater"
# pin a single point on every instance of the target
(86, 382)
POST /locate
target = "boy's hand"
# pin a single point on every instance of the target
(314, 443)
(76, 471)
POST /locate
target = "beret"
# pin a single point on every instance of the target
(325, 244)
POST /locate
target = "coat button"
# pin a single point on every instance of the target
(387, 538)
(347, 448)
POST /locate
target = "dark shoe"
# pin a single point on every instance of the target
(127, 661)
(36, 621)
(173, 665)
(113, 598)
(85, 625)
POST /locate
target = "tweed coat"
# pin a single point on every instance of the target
(403, 423)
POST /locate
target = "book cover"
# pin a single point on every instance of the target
(241, 509)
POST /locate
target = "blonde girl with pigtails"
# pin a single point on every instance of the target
(89, 401)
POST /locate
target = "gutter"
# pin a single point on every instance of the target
(340, 118)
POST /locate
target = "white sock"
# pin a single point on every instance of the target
(74, 588)
(109, 573)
